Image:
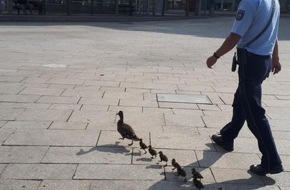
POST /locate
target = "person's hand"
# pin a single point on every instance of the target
(276, 67)
(211, 61)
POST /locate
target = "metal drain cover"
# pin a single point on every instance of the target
(183, 98)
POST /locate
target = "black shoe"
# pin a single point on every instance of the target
(259, 170)
(218, 139)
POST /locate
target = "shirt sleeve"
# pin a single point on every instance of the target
(244, 17)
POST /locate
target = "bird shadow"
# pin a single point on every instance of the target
(154, 166)
(111, 148)
(144, 159)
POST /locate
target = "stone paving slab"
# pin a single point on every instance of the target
(39, 171)
(26, 125)
(5, 134)
(61, 86)
(177, 141)
(9, 114)
(121, 172)
(102, 155)
(22, 154)
(239, 176)
(19, 184)
(65, 184)
(45, 115)
(53, 138)
(68, 126)
(226, 160)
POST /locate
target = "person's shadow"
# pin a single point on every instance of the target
(171, 181)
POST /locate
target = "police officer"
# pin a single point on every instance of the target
(256, 60)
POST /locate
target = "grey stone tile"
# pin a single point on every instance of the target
(229, 160)
(98, 101)
(102, 118)
(280, 124)
(236, 176)
(84, 91)
(13, 105)
(65, 81)
(22, 154)
(120, 184)
(117, 172)
(53, 137)
(39, 171)
(65, 107)
(9, 114)
(42, 91)
(11, 79)
(102, 108)
(180, 130)
(18, 98)
(35, 80)
(214, 120)
(45, 115)
(286, 162)
(148, 85)
(281, 179)
(104, 155)
(69, 125)
(5, 133)
(10, 88)
(170, 105)
(128, 110)
(183, 119)
(58, 99)
(65, 184)
(19, 184)
(278, 112)
(283, 146)
(173, 141)
(2, 123)
(2, 167)
(244, 145)
(241, 186)
(26, 125)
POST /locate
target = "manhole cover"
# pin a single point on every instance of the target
(183, 98)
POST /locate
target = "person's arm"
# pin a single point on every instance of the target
(276, 66)
(229, 43)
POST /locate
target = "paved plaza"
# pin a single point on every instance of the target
(61, 85)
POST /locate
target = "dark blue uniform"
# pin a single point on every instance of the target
(254, 67)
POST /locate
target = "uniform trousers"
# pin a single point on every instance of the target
(253, 70)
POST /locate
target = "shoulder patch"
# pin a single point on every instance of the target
(240, 15)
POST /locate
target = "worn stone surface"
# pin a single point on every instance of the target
(62, 84)
(65, 184)
(19, 184)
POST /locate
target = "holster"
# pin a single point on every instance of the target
(239, 58)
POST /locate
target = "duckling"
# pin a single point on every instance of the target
(196, 174)
(181, 172)
(162, 158)
(126, 130)
(174, 164)
(152, 152)
(143, 145)
(197, 183)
